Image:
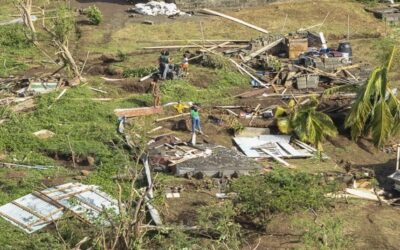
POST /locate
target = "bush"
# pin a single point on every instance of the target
(281, 191)
(13, 36)
(137, 72)
(326, 236)
(94, 14)
(219, 220)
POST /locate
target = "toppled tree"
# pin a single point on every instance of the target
(60, 29)
(376, 110)
(306, 122)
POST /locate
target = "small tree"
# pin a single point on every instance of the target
(376, 110)
(94, 14)
(60, 29)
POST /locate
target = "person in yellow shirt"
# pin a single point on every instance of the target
(180, 107)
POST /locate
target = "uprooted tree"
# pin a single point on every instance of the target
(60, 28)
(25, 8)
(306, 122)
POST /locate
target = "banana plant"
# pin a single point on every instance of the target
(376, 111)
(308, 124)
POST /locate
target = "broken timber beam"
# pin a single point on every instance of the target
(194, 46)
(172, 117)
(248, 73)
(263, 49)
(235, 20)
(133, 112)
(276, 158)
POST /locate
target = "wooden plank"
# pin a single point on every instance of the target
(47, 216)
(195, 40)
(254, 114)
(16, 221)
(236, 20)
(57, 204)
(195, 46)
(29, 210)
(232, 113)
(134, 112)
(248, 73)
(69, 195)
(172, 117)
(263, 49)
(251, 93)
(276, 157)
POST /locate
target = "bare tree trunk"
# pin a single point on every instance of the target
(25, 8)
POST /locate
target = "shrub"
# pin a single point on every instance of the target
(328, 235)
(94, 14)
(13, 36)
(280, 191)
(219, 220)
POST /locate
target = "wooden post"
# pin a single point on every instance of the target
(235, 20)
(194, 138)
(398, 157)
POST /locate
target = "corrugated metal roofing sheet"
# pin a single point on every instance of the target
(38, 209)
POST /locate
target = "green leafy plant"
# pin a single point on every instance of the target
(94, 14)
(219, 219)
(376, 110)
(13, 36)
(138, 72)
(281, 191)
(325, 236)
(306, 122)
(63, 24)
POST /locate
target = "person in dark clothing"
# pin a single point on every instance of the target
(164, 62)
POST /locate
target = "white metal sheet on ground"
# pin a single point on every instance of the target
(247, 144)
(278, 145)
(32, 213)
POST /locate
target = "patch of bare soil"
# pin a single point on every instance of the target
(132, 85)
(15, 175)
(183, 210)
(202, 79)
(53, 181)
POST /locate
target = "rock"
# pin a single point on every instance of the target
(44, 134)
(109, 58)
(91, 161)
(80, 178)
(85, 172)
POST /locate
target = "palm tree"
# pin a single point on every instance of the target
(306, 122)
(376, 110)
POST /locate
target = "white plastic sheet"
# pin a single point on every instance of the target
(154, 8)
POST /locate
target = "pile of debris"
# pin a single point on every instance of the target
(169, 153)
(168, 150)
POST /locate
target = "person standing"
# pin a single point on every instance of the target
(194, 114)
(156, 91)
(164, 63)
(185, 64)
